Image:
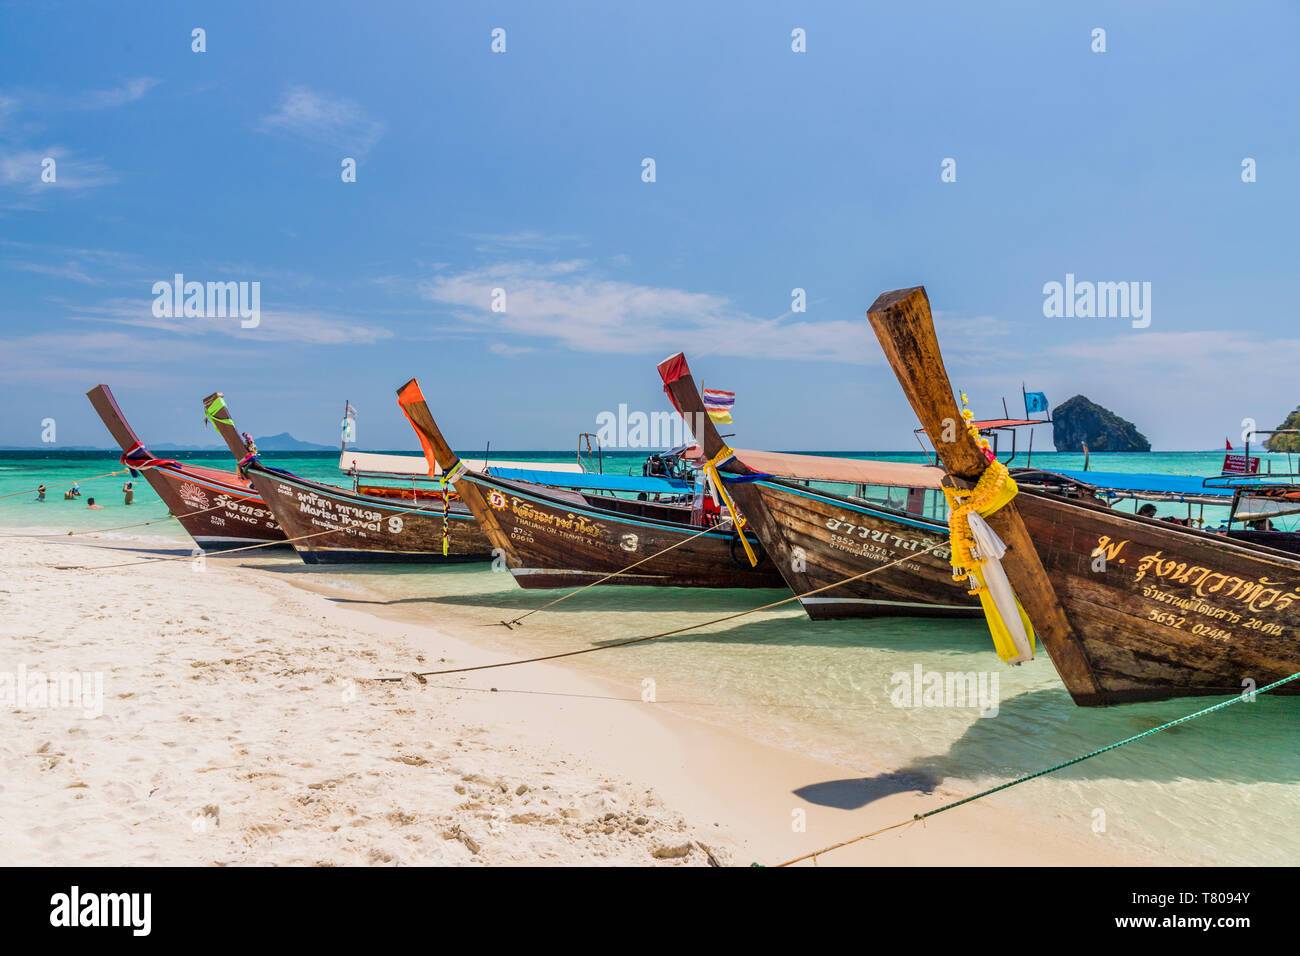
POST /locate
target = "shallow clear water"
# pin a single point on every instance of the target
(1224, 788)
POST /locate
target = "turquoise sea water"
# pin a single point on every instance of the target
(1223, 789)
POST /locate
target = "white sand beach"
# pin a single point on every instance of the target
(239, 726)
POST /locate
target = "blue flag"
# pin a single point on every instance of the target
(1035, 402)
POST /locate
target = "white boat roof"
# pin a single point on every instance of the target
(417, 466)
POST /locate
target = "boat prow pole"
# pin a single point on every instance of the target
(436, 449)
(214, 406)
(685, 395)
(902, 322)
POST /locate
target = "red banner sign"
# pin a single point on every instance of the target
(1240, 465)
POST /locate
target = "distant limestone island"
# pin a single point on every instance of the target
(1289, 443)
(1077, 421)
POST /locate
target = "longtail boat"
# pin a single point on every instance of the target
(333, 525)
(818, 537)
(218, 509)
(559, 537)
(1129, 608)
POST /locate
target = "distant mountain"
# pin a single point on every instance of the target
(281, 442)
(51, 448)
(286, 442)
(1286, 442)
(1077, 421)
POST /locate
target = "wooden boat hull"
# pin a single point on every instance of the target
(1173, 611)
(242, 519)
(1129, 608)
(329, 525)
(1277, 540)
(819, 538)
(822, 540)
(218, 509)
(551, 542)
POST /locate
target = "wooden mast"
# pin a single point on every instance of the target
(903, 324)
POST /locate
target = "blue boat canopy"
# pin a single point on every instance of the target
(1188, 485)
(594, 482)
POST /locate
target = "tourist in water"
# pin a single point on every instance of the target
(128, 490)
(40, 493)
(1147, 511)
(90, 503)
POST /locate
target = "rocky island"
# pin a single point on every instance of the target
(1289, 443)
(1077, 421)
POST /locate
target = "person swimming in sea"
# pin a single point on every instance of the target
(90, 503)
(128, 490)
(40, 493)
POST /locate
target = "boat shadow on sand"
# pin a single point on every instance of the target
(1010, 745)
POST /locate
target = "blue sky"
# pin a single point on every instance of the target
(523, 171)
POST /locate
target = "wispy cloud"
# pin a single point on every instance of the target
(23, 162)
(71, 271)
(509, 351)
(21, 169)
(571, 304)
(74, 358)
(79, 264)
(338, 123)
(125, 92)
(300, 326)
(523, 240)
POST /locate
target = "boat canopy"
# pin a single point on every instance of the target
(857, 471)
(854, 471)
(589, 481)
(417, 466)
(1256, 507)
(1186, 485)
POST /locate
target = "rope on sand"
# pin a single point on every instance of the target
(1039, 773)
(654, 637)
(614, 574)
(278, 542)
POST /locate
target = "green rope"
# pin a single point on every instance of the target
(1041, 773)
(212, 410)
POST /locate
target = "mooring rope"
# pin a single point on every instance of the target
(142, 524)
(32, 491)
(565, 597)
(121, 527)
(654, 637)
(1039, 773)
(189, 557)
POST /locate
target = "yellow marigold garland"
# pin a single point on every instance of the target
(994, 489)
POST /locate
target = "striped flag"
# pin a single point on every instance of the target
(719, 404)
